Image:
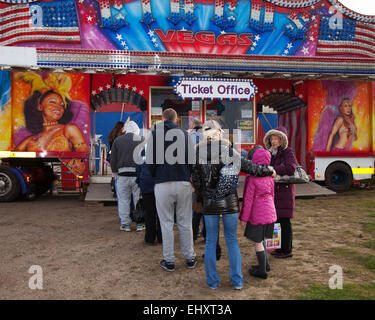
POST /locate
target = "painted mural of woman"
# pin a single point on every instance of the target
(47, 115)
(337, 129)
(344, 126)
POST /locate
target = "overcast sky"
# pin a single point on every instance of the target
(361, 6)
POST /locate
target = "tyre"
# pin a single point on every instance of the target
(10, 187)
(339, 177)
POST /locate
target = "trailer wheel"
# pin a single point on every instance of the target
(10, 187)
(339, 177)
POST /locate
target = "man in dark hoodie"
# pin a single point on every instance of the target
(168, 160)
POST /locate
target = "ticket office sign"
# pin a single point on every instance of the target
(215, 89)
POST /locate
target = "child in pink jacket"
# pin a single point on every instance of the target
(258, 211)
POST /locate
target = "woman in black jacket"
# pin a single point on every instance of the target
(215, 178)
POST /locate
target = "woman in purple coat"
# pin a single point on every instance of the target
(284, 162)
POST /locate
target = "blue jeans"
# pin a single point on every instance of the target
(230, 234)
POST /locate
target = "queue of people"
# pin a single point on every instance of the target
(182, 191)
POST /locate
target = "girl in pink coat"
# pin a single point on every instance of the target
(258, 211)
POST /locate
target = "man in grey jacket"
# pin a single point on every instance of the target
(124, 168)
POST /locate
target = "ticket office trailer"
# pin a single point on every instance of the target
(293, 41)
(308, 109)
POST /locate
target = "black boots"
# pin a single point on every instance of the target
(260, 270)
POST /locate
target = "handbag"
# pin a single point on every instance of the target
(299, 176)
(138, 214)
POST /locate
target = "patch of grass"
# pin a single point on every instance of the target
(348, 292)
(370, 244)
(369, 226)
(368, 204)
(368, 261)
(344, 252)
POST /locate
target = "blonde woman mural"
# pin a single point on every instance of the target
(344, 126)
(336, 129)
(47, 115)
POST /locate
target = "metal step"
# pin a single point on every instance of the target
(100, 179)
(99, 192)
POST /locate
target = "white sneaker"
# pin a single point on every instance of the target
(140, 227)
(125, 227)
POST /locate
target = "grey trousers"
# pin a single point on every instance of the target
(125, 187)
(166, 195)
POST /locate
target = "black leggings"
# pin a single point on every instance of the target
(286, 235)
(153, 230)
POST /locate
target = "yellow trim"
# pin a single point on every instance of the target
(363, 170)
(14, 154)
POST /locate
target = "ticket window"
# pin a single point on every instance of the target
(234, 115)
(164, 97)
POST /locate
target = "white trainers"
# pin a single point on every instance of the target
(141, 227)
(125, 227)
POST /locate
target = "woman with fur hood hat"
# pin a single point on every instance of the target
(217, 161)
(284, 162)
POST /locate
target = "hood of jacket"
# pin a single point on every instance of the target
(262, 156)
(132, 127)
(169, 125)
(166, 125)
(281, 132)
